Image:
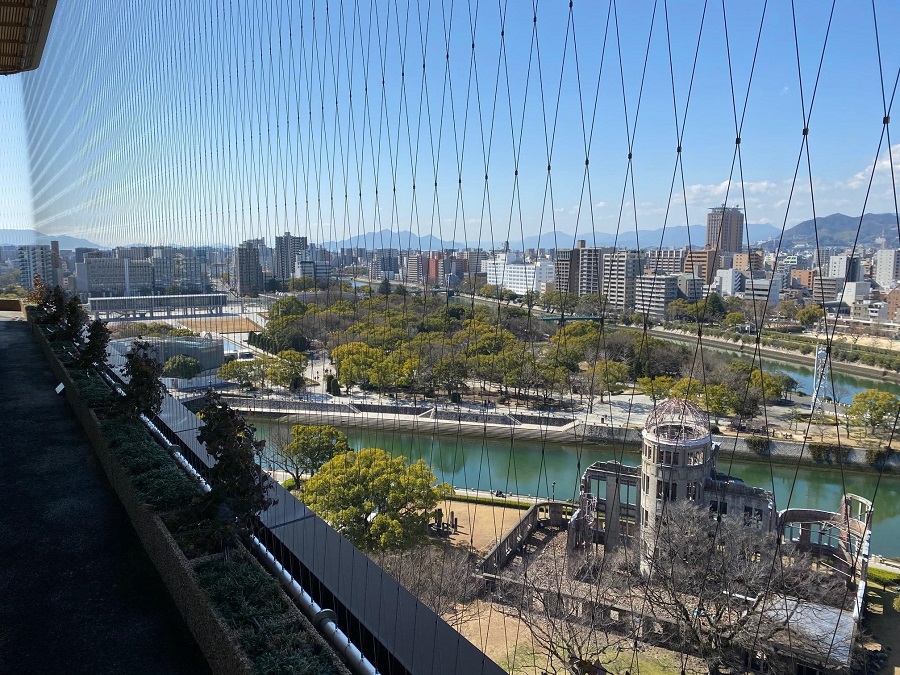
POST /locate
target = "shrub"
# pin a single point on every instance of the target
(896, 603)
(144, 390)
(253, 605)
(883, 577)
(166, 487)
(93, 390)
(758, 445)
(822, 452)
(877, 455)
(94, 350)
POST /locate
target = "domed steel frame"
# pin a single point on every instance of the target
(677, 419)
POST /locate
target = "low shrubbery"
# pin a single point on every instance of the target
(883, 577)
(758, 445)
(268, 626)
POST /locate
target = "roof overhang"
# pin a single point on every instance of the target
(24, 25)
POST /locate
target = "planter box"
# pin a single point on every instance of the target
(219, 644)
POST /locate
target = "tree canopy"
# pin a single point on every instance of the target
(375, 500)
(182, 366)
(309, 448)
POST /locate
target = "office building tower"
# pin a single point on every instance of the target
(725, 229)
(248, 271)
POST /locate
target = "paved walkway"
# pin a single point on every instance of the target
(77, 592)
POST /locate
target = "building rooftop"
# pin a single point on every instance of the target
(79, 592)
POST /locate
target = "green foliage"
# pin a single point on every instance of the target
(827, 452)
(375, 500)
(883, 577)
(334, 387)
(92, 389)
(253, 605)
(143, 390)
(73, 319)
(758, 445)
(875, 410)
(309, 448)
(609, 377)
(283, 332)
(245, 372)
(287, 306)
(809, 316)
(239, 486)
(94, 349)
(287, 369)
(182, 366)
(165, 487)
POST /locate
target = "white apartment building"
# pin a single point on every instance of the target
(652, 292)
(519, 277)
(887, 267)
(762, 290)
(620, 272)
(729, 282)
(33, 260)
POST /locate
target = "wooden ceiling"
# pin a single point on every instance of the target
(24, 25)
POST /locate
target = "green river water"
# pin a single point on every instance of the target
(531, 468)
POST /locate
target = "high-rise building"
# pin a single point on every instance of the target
(248, 271)
(579, 271)
(517, 276)
(725, 229)
(702, 263)
(620, 272)
(887, 267)
(652, 292)
(120, 276)
(846, 267)
(665, 261)
(37, 259)
(287, 248)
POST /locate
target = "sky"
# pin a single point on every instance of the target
(231, 119)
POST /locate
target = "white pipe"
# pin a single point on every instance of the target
(322, 619)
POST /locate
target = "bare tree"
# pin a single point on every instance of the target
(565, 602)
(729, 592)
(441, 577)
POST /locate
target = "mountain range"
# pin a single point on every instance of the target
(30, 238)
(836, 229)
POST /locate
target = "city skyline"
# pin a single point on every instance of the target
(511, 112)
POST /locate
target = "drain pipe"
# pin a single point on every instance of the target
(322, 619)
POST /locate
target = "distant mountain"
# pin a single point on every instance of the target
(672, 237)
(840, 230)
(404, 240)
(30, 237)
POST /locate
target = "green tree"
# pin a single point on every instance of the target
(309, 448)
(375, 500)
(874, 410)
(719, 400)
(287, 369)
(609, 377)
(143, 388)
(734, 319)
(657, 388)
(687, 388)
(94, 349)
(354, 362)
(287, 306)
(809, 316)
(285, 332)
(244, 372)
(182, 366)
(239, 487)
(384, 287)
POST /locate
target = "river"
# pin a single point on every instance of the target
(530, 468)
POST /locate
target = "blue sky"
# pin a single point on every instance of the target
(232, 120)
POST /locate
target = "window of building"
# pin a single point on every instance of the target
(670, 457)
(691, 490)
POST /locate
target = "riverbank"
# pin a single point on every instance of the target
(790, 356)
